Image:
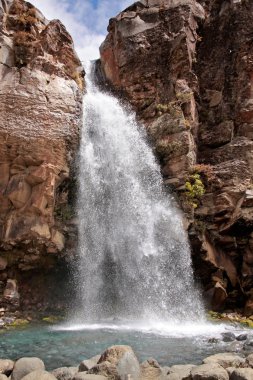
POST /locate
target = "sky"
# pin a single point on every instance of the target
(85, 20)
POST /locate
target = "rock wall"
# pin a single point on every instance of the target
(42, 81)
(187, 69)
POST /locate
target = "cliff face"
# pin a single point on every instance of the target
(42, 82)
(187, 69)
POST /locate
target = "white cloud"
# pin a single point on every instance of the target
(85, 22)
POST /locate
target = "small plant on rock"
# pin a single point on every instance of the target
(194, 190)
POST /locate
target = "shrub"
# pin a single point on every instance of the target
(194, 190)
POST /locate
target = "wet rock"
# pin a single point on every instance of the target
(39, 375)
(3, 263)
(65, 373)
(150, 370)
(11, 294)
(228, 337)
(211, 371)
(225, 360)
(24, 366)
(242, 337)
(184, 371)
(242, 374)
(86, 365)
(6, 366)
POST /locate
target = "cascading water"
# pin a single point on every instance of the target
(134, 257)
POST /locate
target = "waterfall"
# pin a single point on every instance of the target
(134, 258)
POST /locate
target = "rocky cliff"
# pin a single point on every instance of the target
(42, 82)
(187, 67)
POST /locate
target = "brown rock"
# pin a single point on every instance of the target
(42, 82)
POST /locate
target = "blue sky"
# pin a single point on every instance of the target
(86, 20)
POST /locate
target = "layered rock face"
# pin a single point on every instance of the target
(42, 82)
(186, 67)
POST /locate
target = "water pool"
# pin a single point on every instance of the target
(68, 345)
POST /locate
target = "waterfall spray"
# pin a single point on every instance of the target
(134, 258)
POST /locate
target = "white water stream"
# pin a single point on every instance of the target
(134, 260)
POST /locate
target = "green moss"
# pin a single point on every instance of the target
(52, 319)
(19, 323)
(194, 189)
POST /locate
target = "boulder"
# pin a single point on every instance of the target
(65, 373)
(24, 366)
(151, 370)
(3, 377)
(117, 361)
(39, 375)
(228, 337)
(242, 374)
(230, 370)
(225, 360)
(211, 371)
(86, 365)
(6, 366)
(184, 371)
(242, 337)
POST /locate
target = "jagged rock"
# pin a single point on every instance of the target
(42, 83)
(65, 373)
(249, 360)
(86, 365)
(209, 371)
(6, 366)
(24, 366)
(39, 375)
(225, 360)
(242, 374)
(11, 294)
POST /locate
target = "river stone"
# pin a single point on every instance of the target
(39, 375)
(226, 359)
(242, 337)
(242, 374)
(150, 370)
(211, 371)
(6, 366)
(184, 371)
(120, 360)
(86, 365)
(65, 373)
(24, 366)
(228, 337)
